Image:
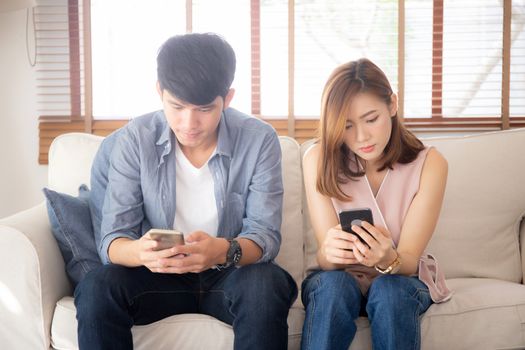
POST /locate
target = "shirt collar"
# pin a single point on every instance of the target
(224, 141)
(165, 139)
(166, 130)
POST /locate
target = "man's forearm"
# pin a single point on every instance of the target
(122, 251)
(251, 252)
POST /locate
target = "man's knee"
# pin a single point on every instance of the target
(263, 281)
(97, 287)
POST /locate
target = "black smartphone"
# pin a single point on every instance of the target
(355, 217)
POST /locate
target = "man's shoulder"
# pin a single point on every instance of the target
(147, 126)
(150, 122)
(247, 124)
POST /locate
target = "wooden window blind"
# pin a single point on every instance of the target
(59, 73)
(60, 78)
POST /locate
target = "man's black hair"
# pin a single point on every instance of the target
(196, 68)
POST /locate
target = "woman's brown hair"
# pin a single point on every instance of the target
(342, 86)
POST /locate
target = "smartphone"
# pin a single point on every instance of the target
(166, 238)
(355, 217)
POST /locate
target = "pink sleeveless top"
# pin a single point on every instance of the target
(389, 208)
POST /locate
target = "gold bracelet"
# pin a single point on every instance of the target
(392, 268)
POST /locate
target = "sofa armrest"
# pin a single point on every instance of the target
(32, 279)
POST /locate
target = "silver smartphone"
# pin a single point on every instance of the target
(166, 238)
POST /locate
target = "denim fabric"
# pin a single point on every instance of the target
(333, 302)
(246, 169)
(71, 225)
(113, 298)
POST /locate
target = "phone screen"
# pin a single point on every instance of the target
(355, 217)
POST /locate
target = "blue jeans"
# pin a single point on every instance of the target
(333, 301)
(113, 298)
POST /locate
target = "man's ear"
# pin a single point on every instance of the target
(228, 98)
(159, 90)
(393, 104)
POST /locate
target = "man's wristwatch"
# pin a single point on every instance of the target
(233, 255)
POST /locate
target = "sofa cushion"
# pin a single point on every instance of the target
(188, 331)
(478, 231)
(70, 221)
(482, 314)
(291, 252)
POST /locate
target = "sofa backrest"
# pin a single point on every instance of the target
(478, 232)
(71, 156)
(291, 253)
(70, 159)
(310, 249)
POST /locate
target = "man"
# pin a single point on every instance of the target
(206, 170)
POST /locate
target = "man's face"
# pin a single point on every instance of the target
(194, 126)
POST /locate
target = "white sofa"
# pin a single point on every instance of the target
(477, 243)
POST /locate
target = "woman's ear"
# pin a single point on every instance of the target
(393, 104)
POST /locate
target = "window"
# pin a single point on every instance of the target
(517, 60)
(456, 65)
(124, 50)
(330, 33)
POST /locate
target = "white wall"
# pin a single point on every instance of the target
(21, 177)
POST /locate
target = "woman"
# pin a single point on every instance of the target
(365, 158)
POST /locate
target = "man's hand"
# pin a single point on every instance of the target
(137, 252)
(200, 253)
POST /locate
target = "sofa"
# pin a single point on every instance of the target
(478, 243)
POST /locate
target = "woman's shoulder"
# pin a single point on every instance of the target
(435, 165)
(311, 154)
(434, 158)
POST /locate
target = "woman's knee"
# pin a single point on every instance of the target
(391, 288)
(398, 294)
(332, 286)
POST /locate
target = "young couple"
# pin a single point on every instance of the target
(215, 174)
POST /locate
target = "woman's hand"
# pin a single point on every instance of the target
(379, 251)
(337, 247)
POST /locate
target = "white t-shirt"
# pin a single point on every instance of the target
(195, 207)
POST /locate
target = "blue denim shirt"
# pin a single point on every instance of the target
(141, 185)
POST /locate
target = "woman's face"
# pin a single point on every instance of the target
(369, 125)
